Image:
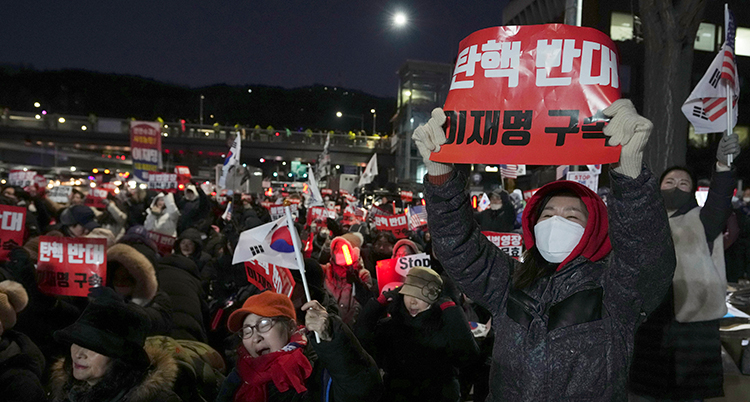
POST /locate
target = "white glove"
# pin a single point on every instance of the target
(729, 145)
(631, 130)
(429, 137)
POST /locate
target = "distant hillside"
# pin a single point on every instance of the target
(107, 95)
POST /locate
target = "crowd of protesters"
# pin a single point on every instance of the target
(563, 324)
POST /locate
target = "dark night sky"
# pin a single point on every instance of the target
(288, 43)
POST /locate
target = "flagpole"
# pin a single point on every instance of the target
(730, 90)
(298, 254)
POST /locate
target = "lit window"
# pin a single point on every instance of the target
(742, 42)
(621, 28)
(705, 39)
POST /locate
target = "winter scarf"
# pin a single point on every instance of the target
(287, 368)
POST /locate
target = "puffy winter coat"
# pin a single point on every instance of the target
(568, 336)
(165, 221)
(21, 368)
(179, 278)
(420, 355)
(155, 386)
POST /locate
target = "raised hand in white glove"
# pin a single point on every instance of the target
(429, 137)
(729, 145)
(631, 130)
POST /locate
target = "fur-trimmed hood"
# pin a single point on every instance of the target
(139, 267)
(161, 377)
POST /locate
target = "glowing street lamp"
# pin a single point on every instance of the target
(399, 19)
(374, 116)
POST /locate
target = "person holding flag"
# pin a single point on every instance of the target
(272, 365)
(565, 317)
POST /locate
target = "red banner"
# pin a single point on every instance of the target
(531, 94)
(326, 191)
(397, 224)
(165, 243)
(268, 276)
(183, 175)
(406, 196)
(12, 224)
(391, 273)
(163, 182)
(510, 243)
(70, 266)
(98, 194)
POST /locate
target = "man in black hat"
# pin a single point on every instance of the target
(78, 221)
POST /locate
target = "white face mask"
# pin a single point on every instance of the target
(556, 238)
(495, 207)
(746, 200)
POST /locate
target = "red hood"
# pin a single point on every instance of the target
(594, 244)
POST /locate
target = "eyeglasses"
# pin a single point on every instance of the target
(262, 326)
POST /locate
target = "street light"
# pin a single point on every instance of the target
(399, 19)
(374, 117)
(201, 118)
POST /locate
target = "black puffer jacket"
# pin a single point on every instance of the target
(540, 354)
(21, 368)
(199, 257)
(179, 278)
(420, 355)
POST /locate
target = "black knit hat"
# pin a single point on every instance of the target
(109, 327)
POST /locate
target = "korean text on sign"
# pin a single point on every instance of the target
(397, 224)
(269, 276)
(494, 108)
(145, 148)
(165, 243)
(12, 224)
(510, 243)
(166, 182)
(21, 178)
(70, 266)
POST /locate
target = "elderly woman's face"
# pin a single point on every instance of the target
(88, 365)
(262, 343)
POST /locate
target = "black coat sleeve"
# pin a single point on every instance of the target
(159, 313)
(462, 347)
(718, 206)
(354, 373)
(480, 268)
(642, 260)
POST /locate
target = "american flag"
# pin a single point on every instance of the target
(509, 171)
(417, 217)
(714, 108)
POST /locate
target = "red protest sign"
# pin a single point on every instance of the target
(268, 276)
(397, 224)
(12, 224)
(510, 243)
(166, 182)
(391, 273)
(70, 266)
(183, 174)
(406, 196)
(165, 243)
(266, 204)
(326, 191)
(98, 194)
(531, 94)
(343, 192)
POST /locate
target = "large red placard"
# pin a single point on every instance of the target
(71, 266)
(532, 95)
